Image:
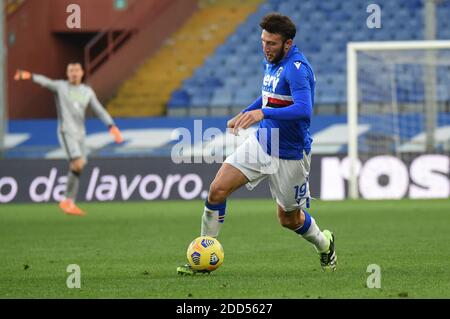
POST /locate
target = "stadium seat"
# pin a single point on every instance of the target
(245, 97)
(179, 98)
(221, 98)
(201, 99)
(233, 83)
(324, 28)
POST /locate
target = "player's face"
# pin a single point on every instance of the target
(75, 73)
(274, 47)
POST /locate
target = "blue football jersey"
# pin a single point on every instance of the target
(287, 101)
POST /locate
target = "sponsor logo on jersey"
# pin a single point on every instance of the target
(270, 82)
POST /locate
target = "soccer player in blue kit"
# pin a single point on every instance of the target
(281, 149)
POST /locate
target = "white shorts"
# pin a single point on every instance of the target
(288, 179)
(74, 147)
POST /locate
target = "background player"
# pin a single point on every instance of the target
(72, 99)
(284, 110)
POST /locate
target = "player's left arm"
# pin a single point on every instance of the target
(298, 79)
(104, 116)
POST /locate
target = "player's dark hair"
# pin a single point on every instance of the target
(76, 62)
(279, 24)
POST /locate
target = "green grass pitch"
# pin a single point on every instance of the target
(131, 250)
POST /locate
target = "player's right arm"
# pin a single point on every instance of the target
(230, 123)
(257, 104)
(36, 78)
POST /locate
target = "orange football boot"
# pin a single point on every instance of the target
(69, 207)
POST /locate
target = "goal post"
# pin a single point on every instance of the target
(396, 86)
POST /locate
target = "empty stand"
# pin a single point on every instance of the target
(148, 91)
(231, 77)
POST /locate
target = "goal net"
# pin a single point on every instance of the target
(398, 104)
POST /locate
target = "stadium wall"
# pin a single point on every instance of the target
(159, 178)
(32, 47)
(40, 41)
(95, 15)
(37, 44)
(107, 79)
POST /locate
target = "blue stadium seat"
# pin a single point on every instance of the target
(245, 97)
(201, 99)
(233, 83)
(330, 6)
(443, 92)
(232, 60)
(254, 59)
(179, 98)
(234, 72)
(212, 82)
(287, 7)
(222, 98)
(223, 73)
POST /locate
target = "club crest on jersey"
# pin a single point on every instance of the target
(279, 72)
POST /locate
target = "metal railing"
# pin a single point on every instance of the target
(108, 41)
